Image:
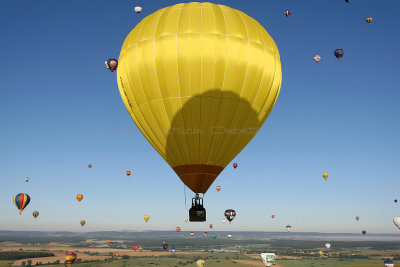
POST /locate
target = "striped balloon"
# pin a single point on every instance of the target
(21, 200)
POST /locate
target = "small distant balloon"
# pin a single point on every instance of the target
(272, 216)
(83, 223)
(268, 258)
(128, 173)
(138, 9)
(146, 217)
(191, 233)
(395, 201)
(186, 220)
(288, 228)
(218, 188)
(317, 58)
(135, 247)
(214, 236)
(325, 175)
(89, 166)
(328, 246)
(79, 197)
(165, 245)
(339, 53)
(70, 258)
(21, 200)
(288, 13)
(205, 233)
(229, 236)
(178, 229)
(235, 165)
(27, 179)
(200, 263)
(140, 249)
(173, 250)
(112, 64)
(346, 1)
(35, 214)
(357, 218)
(368, 19)
(320, 253)
(363, 232)
(223, 221)
(211, 226)
(108, 241)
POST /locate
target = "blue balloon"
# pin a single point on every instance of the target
(339, 53)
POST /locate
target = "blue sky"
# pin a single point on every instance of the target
(60, 110)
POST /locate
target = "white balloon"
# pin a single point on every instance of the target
(396, 221)
(268, 258)
(288, 228)
(138, 9)
(229, 236)
(223, 221)
(327, 245)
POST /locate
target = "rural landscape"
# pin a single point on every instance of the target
(115, 249)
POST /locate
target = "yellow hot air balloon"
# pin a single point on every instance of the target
(325, 175)
(186, 220)
(83, 223)
(200, 263)
(146, 217)
(199, 80)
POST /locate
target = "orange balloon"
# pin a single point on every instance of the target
(79, 197)
(108, 241)
(70, 258)
(90, 165)
(128, 173)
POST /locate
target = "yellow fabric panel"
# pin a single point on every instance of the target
(199, 79)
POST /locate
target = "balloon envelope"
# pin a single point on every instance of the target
(200, 262)
(35, 214)
(21, 200)
(388, 263)
(396, 221)
(200, 92)
(325, 175)
(339, 53)
(146, 217)
(70, 258)
(288, 228)
(268, 258)
(138, 9)
(83, 223)
(135, 247)
(79, 197)
(327, 245)
(218, 188)
(230, 215)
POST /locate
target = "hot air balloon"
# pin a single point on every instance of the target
(357, 218)
(173, 250)
(214, 236)
(339, 53)
(218, 86)
(108, 241)
(178, 229)
(146, 217)
(317, 58)
(83, 223)
(325, 175)
(230, 215)
(165, 245)
(368, 19)
(135, 247)
(211, 226)
(363, 232)
(79, 197)
(138, 9)
(328, 246)
(27, 179)
(191, 233)
(218, 188)
(346, 1)
(223, 221)
(272, 216)
(235, 165)
(395, 201)
(128, 173)
(112, 64)
(229, 236)
(70, 258)
(288, 228)
(89, 166)
(288, 13)
(140, 249)
(205, 233)
(320, 253)
(186, 220)
(200, 263)
(35, 214)
(396, 221)
(268, 258)
(388, 263)
(21, 200)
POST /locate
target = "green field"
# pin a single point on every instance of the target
(5, 263)
(329, 263)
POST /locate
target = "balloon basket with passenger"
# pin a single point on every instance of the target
(197, 212)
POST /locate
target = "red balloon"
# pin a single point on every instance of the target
(178, 229)
(235, 165)
(135, 247)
